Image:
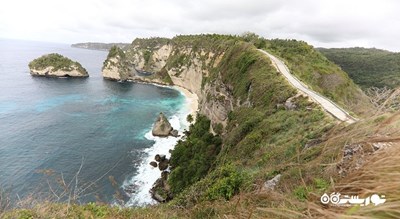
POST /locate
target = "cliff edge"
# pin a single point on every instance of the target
(116, 66)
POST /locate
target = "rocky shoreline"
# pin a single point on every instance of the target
(160, 190)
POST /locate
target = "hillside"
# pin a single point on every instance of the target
(320, 74)
(258, 149)
(367, 67)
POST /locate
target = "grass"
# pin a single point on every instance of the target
(322, 75)
(223, 177)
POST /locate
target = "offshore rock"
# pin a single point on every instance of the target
(162, 127)
(153, 164)
(56, 65)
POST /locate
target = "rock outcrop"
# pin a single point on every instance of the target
(271, 184)
(56, 65)
(161, 191)
(162, 127)
(116, 66)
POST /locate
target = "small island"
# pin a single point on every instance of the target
(56, 65)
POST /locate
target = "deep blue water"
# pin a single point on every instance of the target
(50, 126)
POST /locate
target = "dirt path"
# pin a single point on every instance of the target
(327, 104)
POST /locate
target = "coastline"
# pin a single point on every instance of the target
(147, 175)
(192, 100)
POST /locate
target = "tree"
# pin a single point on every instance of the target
(189, 118)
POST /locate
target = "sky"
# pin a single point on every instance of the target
(321, 23)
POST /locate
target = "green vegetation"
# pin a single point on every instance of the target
(320, 74)
(192, 159)
(259, 140)
(117, 58)
(164, 76)
(304, 61)
(194, 44)
(147, 55)
(223, 175)
(189, 118)
(115, 52)
(58, 62)
(367, 67)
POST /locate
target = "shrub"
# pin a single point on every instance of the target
(189, 118)
(227, 185)
(192, 159)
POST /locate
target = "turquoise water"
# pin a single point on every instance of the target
(51, 127)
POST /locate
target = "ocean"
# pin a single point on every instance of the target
(85, 139)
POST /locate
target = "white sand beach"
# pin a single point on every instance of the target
(192, 100)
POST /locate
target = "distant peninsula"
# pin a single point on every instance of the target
(99, 46)
(56, 65)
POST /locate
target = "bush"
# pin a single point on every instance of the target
(189, 118)
(193, 158)
(97, 210)
(301, 193)
(227, 185)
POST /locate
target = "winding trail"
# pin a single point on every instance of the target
(328, 105)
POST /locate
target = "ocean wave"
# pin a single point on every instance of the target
(146, 175)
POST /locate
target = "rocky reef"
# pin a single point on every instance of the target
(56, 65)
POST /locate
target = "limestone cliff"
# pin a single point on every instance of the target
(186, 64)
(56, 65)
(115, 67)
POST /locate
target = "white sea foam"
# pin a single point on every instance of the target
(147, 175)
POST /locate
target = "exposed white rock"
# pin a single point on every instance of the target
(270, 184)
(49, 72)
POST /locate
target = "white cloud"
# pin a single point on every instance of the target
(371, 23)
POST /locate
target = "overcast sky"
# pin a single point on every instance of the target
(322, 23)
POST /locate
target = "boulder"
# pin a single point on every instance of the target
(153, 164)
(289, 105)
(162, 127)
(160, 157)
(163, 165)
(270, 184)
(174, 133)
(164, 175)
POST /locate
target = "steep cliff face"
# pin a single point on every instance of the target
(115, 67)
(188, 66)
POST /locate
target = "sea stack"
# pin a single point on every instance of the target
(162, 127)
(56, 65)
